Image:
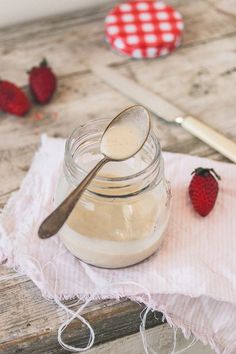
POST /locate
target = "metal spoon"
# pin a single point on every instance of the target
(122, 139)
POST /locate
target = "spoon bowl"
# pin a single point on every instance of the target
(126, 134)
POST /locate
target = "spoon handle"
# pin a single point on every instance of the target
(52, 224)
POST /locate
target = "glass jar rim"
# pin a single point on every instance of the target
(149, 168)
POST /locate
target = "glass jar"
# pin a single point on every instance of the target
(121, 218)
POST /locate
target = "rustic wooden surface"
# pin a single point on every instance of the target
(199, 77)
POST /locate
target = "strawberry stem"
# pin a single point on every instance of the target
(44, 62)
(204, 171)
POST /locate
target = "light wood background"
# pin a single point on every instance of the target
(199, 77)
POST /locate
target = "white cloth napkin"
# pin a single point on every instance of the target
(191, 279)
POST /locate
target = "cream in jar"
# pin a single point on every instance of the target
(120, 220)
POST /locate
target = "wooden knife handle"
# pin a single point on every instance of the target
(211, 137)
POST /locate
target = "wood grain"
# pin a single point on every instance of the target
(30, 323)
(66, 41)
(199, 78)
(159, 338)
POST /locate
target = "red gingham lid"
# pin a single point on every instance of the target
(144, 29)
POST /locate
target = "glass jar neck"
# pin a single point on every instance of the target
(116, 179)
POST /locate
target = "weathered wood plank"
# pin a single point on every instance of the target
(30, 324)
(213, 22)
(199, 80)
(160, 339)
(226, 7)
(67, 40)
(201, 86)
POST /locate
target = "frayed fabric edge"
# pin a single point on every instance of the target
(144, 298)
(189, 331)
(150, 305)
(8, 260)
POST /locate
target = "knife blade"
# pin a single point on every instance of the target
(165, 110)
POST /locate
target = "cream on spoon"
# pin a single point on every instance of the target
(123, 138)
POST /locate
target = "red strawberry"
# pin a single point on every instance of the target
(12, 99)
(42, 82)
(203, 190)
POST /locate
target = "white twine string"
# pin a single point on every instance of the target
(74, 315)
(71, 315)
(67, 322)
(143, 316)
(175, 340)
(194, 341)
(147, 348)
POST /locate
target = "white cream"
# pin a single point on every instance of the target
(122, 140)
(120, 221)
(114, 234)
(126, 134)
(112, 254)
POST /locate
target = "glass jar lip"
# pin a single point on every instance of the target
(76, 131)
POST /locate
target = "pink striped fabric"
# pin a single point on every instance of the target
(191, 279)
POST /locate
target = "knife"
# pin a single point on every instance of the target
(165, 110)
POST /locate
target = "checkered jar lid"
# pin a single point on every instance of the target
(144, 29)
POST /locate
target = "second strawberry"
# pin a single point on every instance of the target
(42, 82)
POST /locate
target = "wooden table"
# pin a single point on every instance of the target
(199, 78)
